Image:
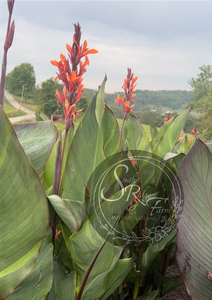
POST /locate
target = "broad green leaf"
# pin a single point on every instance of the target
(170, 284)
(161, 132)
(110, 131)
(58, 276)
(171, 155)
(160, 241)
(153, 129)
(39, 281)
(67, 288)
(48, 175)
(117, 276)
(133, 216)
(169, 140)
(71, 212)
(38, 140)
(85, 154)
(139, 146)
(85, 245)
(100, 98)
(43, 116)
(194, 228)
(183, 146)
(172, 134)
(150, 296)
(137, 138)
(23, 213)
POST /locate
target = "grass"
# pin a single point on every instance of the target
(11, 111)
(30, 105)
(25, 121)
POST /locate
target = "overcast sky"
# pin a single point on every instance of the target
(164, 42)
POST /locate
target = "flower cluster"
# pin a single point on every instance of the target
(70, 72)
(194, 131)
(168, 118)
(128, 87)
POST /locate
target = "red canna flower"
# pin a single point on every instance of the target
(195, 132)
(70, 72)
(168, 118)
(128, 87)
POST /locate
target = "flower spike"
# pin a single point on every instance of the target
(70, 71)
(128, 87)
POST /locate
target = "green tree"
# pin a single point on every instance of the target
(202, 90)
(202, 97)
(47, 100)
(22, 75)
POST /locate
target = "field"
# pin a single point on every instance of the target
(30, 105)
(11, 111)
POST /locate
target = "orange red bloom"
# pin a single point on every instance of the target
(194, 131)
(168, 118)
(128, 87)
(70, 72)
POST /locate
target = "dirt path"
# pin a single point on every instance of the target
(29, 114)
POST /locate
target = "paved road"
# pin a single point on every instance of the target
(29, 114)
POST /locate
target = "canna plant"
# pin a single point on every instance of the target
(88, 215)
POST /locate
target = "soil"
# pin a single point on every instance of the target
(179, 293)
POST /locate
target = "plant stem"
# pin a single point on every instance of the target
(122, 127)
(141, 225)
(64, 145)
(56, 183)
(4, 66)
(88, 272)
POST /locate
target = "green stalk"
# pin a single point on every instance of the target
(89, 271)
(141, 225)
(122, 127)
(56, 183)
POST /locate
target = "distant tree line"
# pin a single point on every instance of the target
(147, 100)
(148, 104)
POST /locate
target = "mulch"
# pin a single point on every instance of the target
(179, 293)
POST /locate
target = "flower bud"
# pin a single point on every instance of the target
(10, 4)
(9, 38)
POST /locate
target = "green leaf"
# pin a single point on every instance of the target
(169, 156)
(86, 244)
(110, 131)
(170, 284)
(71, 212)
(139, 146)
(48, 175)
(161, 132)
(67, 288)
(117, 276)
(23, 213)
(153, 129)
(38, 140)
(151, 296)
(43, 116)
(39, 281)
(137, 138)
(58, 276)
(165, 238)
(172, 134)
(194, 228)
(169, 140)
(100, 98)
(85, 154)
